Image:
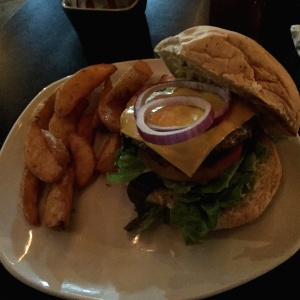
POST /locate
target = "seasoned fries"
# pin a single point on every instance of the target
(39, 158)
(44, 111)
(114, 102)
(84, 159)
(73, 137)
(57, 148)
(86, 129)
(163, 78)
(31, 193)
(61, 127)
(107, 87)
(106, 158)
(58, 205)
(79, 86)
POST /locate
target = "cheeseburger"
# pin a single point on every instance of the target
(198, 152)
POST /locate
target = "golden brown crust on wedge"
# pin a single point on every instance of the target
(268, 177)
(230, 59)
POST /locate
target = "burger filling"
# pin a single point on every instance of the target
(163, 194)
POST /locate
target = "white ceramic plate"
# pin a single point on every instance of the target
(96, 258)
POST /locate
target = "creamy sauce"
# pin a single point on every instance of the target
(174, 115)
(179, 114)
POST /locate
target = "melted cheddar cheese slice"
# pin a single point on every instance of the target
(188, 155)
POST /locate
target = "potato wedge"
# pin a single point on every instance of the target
(166, 78)
(39, 158)
(44, 111)
(134, 97)
(78, 86)
(58, 149)
(106, 158)
(58, 206)
(61, 127)
(106, 88)
(84, 159)
(31, 190)
(163, 78)
(113, 104)
(86, 129)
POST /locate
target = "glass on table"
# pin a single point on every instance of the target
(244, 16)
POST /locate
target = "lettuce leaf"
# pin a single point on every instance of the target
(127, 162)
(196, 207)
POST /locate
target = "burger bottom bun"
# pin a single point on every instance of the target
(269, 171)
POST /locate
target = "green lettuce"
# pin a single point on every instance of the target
(195, 207)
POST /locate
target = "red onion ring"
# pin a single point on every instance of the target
(195, 85)
(174, 134)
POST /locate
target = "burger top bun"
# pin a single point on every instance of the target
(235, 61)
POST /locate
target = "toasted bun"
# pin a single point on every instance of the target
(229, 59)
(268, 177)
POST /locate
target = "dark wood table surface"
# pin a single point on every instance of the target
(38, 46)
